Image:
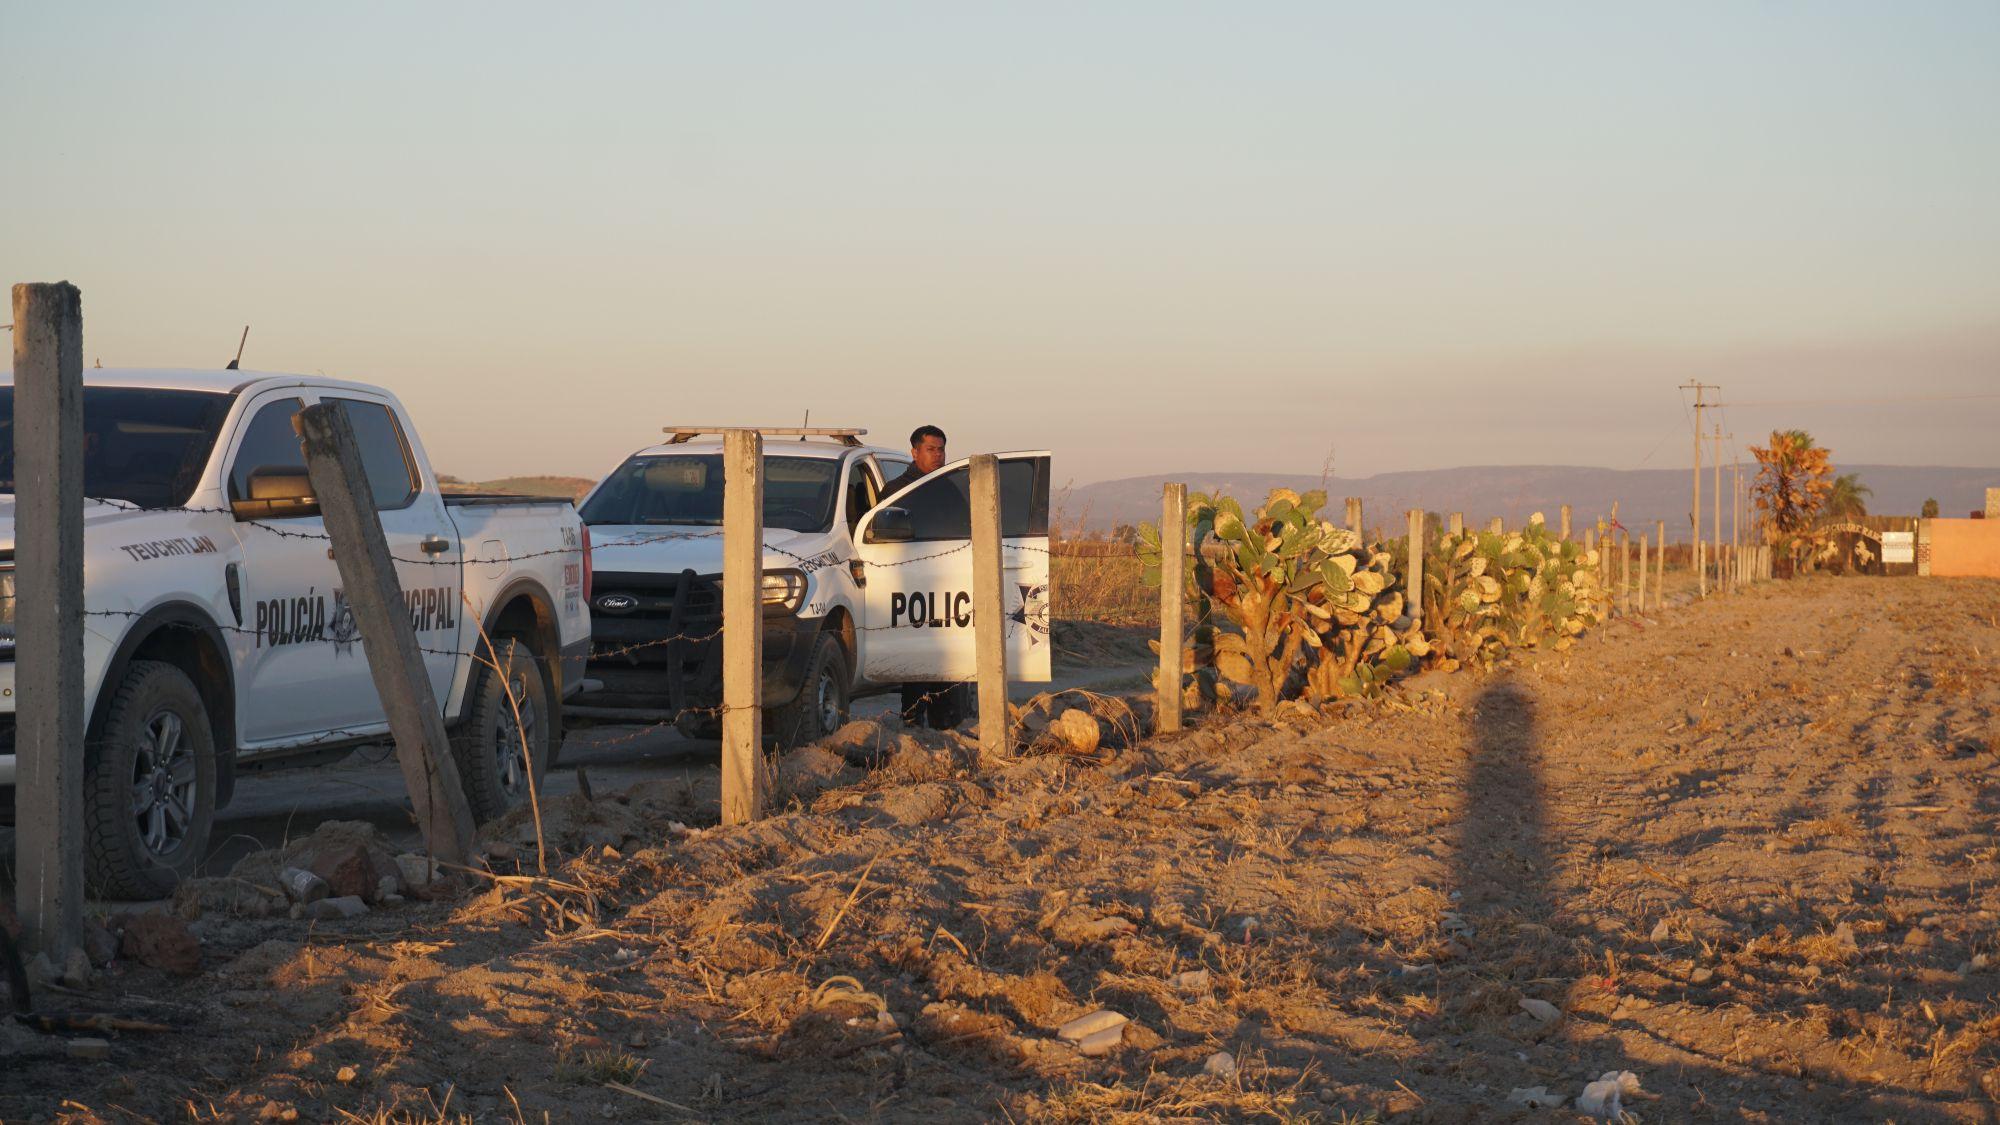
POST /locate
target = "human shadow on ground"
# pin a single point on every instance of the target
(1502, 864)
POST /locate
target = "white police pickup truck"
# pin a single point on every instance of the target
(217, 640)
(863, 589)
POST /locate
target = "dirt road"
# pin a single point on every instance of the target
(1745, 852)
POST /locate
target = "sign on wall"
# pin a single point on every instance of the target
(1899, 547)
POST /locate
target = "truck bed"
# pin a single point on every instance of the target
(498, 499)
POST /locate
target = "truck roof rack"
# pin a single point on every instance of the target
(845, 435)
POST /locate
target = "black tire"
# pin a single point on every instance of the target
(149, 785)
(939, 706)
(488, 744)
(705, 725)
(821, 705)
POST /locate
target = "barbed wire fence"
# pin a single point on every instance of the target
(51, 740)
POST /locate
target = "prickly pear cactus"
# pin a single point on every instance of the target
(1359, 635)
(1487, 593)
(1258, 572)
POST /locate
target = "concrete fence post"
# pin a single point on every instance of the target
(1497, 526)
(1625, 572)
(1354, 517)
(1173, 614)
(1414, 574)
(1641, 597)
(1660, 561)
(1565, 521)
(368, 576)
(1457, 524)
(745, 785)
(989, 611)
(48, 615)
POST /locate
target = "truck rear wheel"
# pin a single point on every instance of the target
(821, 706)
(502, 739)
(149, 786)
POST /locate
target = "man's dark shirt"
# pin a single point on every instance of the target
(910, 476)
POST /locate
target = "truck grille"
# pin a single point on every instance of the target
(662, 600)
(649, 638)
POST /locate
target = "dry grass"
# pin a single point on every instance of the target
(1099, 580)
(595, 1068)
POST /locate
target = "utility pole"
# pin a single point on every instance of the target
(1700, 389)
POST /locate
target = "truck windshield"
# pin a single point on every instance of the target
(687, 489)
(141, 446)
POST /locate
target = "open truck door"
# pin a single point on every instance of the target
(915, 548)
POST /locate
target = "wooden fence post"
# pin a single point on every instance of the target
(989, 610)
(1457, 524)
(1565, 525)
(1173, 615)
(48, 615)
(1414, 576)
(368, 574)
(1354, 517)
(744, 785)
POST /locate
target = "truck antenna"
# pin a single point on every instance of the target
(239, 349)
(807, 424)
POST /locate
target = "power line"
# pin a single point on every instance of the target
(1863, 401)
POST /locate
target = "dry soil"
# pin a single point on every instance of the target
(1744, 850)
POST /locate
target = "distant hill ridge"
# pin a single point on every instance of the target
(1513, 492)
(569, 488)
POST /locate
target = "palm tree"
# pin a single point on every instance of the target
(1847, 499)
(1792, 482)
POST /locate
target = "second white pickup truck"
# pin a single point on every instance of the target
(217, 640)
(867, 584)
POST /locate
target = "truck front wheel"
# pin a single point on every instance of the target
(509, 730)
(149, 787)
(821, 706)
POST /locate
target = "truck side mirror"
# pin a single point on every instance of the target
(277, 492)
(891, 525)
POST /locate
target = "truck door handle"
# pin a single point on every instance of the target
(435, 544)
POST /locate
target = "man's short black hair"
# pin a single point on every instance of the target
(921, 432)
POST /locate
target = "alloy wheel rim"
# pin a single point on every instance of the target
(829, 702)
(510, 755)
(164, 785)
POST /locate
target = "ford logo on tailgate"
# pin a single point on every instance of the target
(617, 603)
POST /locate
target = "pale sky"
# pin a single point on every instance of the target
(1149, 236)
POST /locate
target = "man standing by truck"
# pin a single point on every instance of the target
(938, 706)
(926, 456)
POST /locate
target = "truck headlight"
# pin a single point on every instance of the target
(783, 589)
